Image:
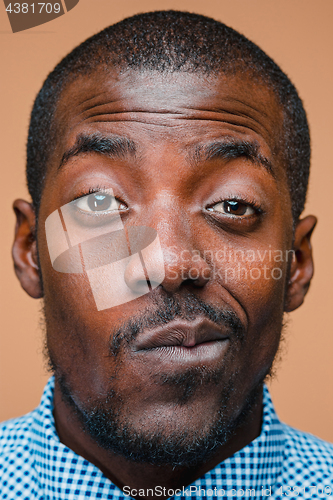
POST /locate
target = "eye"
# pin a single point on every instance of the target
(235, 208)
(98, 202)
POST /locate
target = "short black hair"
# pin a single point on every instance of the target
(169, 41)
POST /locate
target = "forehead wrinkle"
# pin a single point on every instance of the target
(185, 112)
(130, 101)
(78, 109)
(111, 95)
(92, 98)
(109, 105)
(170, 120)
(246, 105)
(154, 117)
(96, 103)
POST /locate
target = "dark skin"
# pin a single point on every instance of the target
(170, 188)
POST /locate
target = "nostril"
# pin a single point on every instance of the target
(135, 275)
(139, 286)
(152, 284)
(191, 281)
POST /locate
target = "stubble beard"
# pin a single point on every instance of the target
(104, 422)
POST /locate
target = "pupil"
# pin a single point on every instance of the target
(233, 207)
(99, 202)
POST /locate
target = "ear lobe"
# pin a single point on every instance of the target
(24, 249)
(301, 270)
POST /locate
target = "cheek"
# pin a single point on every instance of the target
(253, 270)
(256, 279)
(74, 330)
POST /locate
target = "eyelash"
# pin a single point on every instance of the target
(246, 201)
(103, 190)
(97, 189)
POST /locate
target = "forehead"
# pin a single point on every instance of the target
(178, 106)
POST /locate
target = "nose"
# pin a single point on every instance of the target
(173, 260)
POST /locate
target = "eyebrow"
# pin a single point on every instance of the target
(111, 146)
(229, 149)
(119, 147)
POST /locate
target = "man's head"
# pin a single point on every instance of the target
(201, 137)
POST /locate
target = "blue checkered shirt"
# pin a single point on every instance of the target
(282, 462)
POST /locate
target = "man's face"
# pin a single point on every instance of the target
(203, 170)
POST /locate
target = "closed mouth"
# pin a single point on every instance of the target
(181, 334)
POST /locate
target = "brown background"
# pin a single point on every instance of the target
(298, 35)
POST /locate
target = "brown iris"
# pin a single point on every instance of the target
(234, 207)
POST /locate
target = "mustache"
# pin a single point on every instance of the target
(168, 308)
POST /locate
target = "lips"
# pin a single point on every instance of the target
(181, 334)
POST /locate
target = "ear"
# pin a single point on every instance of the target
(301, 270)
(25, 250)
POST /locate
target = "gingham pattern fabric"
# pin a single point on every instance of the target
(280, 463)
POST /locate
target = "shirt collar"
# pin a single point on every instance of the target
(257, 465)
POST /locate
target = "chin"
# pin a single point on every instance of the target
(180, 435)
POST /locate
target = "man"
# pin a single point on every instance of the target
(167, 161)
